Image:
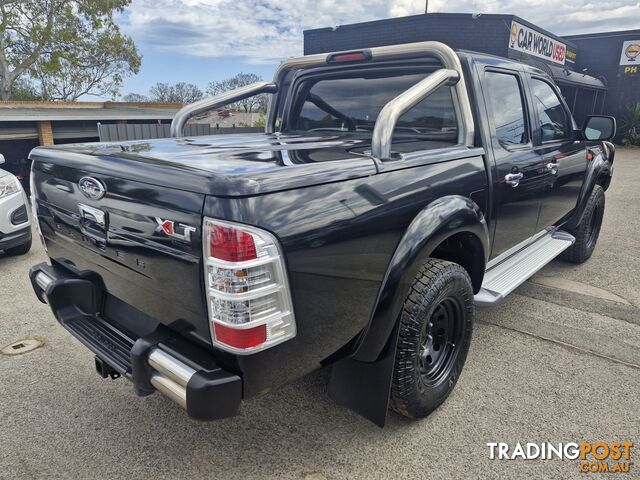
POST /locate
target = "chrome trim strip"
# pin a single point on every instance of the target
(188, 111)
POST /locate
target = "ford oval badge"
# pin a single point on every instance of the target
(92, 188)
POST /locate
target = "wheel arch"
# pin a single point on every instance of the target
(599, 172)
(362, 381)
(438, 230)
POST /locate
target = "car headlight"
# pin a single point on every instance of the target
(9, 185)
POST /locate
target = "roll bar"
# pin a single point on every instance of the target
(392, 111)
(383, 129)
(188, 111)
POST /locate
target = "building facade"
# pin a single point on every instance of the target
(25, 125)
(587, 68)
(614, 56)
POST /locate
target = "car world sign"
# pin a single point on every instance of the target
(526, 40)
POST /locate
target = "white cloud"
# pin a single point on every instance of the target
(266, 31)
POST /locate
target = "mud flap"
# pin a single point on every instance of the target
(364, 387)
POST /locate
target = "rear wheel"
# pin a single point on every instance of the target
(588, 229)
(434, 337)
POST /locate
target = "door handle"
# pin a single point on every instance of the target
(553, 167)
(513, 179)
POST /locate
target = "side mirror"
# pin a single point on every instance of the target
(1, 159)
(599, 127)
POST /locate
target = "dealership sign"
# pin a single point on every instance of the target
(630, 57)
(630, 52)
(527, 40)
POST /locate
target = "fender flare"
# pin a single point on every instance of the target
(599, 171)
(362, 381)
(438, 221)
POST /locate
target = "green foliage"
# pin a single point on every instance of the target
(630, 126)
(257, 103)
(24, 90)
(260, 122)
(69, 47)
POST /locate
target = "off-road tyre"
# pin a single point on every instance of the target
(434, 335)
(588, 230)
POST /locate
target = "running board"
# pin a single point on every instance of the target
(504, 277)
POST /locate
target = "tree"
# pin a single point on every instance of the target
(257, 103)
(134, 97)
(23, 90)
(70, 47)
(179, 93)
(630, 125)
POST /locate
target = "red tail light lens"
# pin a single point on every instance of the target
(249, 301)
(349, 57)
(240, 338)
(230, 244)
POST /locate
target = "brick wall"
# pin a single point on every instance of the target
(45, 133)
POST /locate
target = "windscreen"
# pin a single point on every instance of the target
(353, 104)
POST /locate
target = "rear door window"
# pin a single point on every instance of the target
(553, 120)
(507, 105)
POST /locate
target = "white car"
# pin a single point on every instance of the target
(15, 224)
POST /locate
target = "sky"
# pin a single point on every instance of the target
(199, 41)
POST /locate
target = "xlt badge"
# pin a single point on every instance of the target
(174, 229)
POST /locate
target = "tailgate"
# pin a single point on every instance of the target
(143, 240)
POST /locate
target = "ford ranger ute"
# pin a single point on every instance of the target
(393, 190)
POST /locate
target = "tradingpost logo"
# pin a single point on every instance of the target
(593, 457)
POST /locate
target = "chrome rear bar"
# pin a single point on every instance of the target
(171, 376)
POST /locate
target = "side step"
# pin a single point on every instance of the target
(505, 276)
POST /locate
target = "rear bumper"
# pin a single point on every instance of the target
(15, 239)
(10, 223)
(160, 361)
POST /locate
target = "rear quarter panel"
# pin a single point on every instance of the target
(338, 241)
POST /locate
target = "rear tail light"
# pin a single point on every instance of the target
(249, 302)
(348, 57)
